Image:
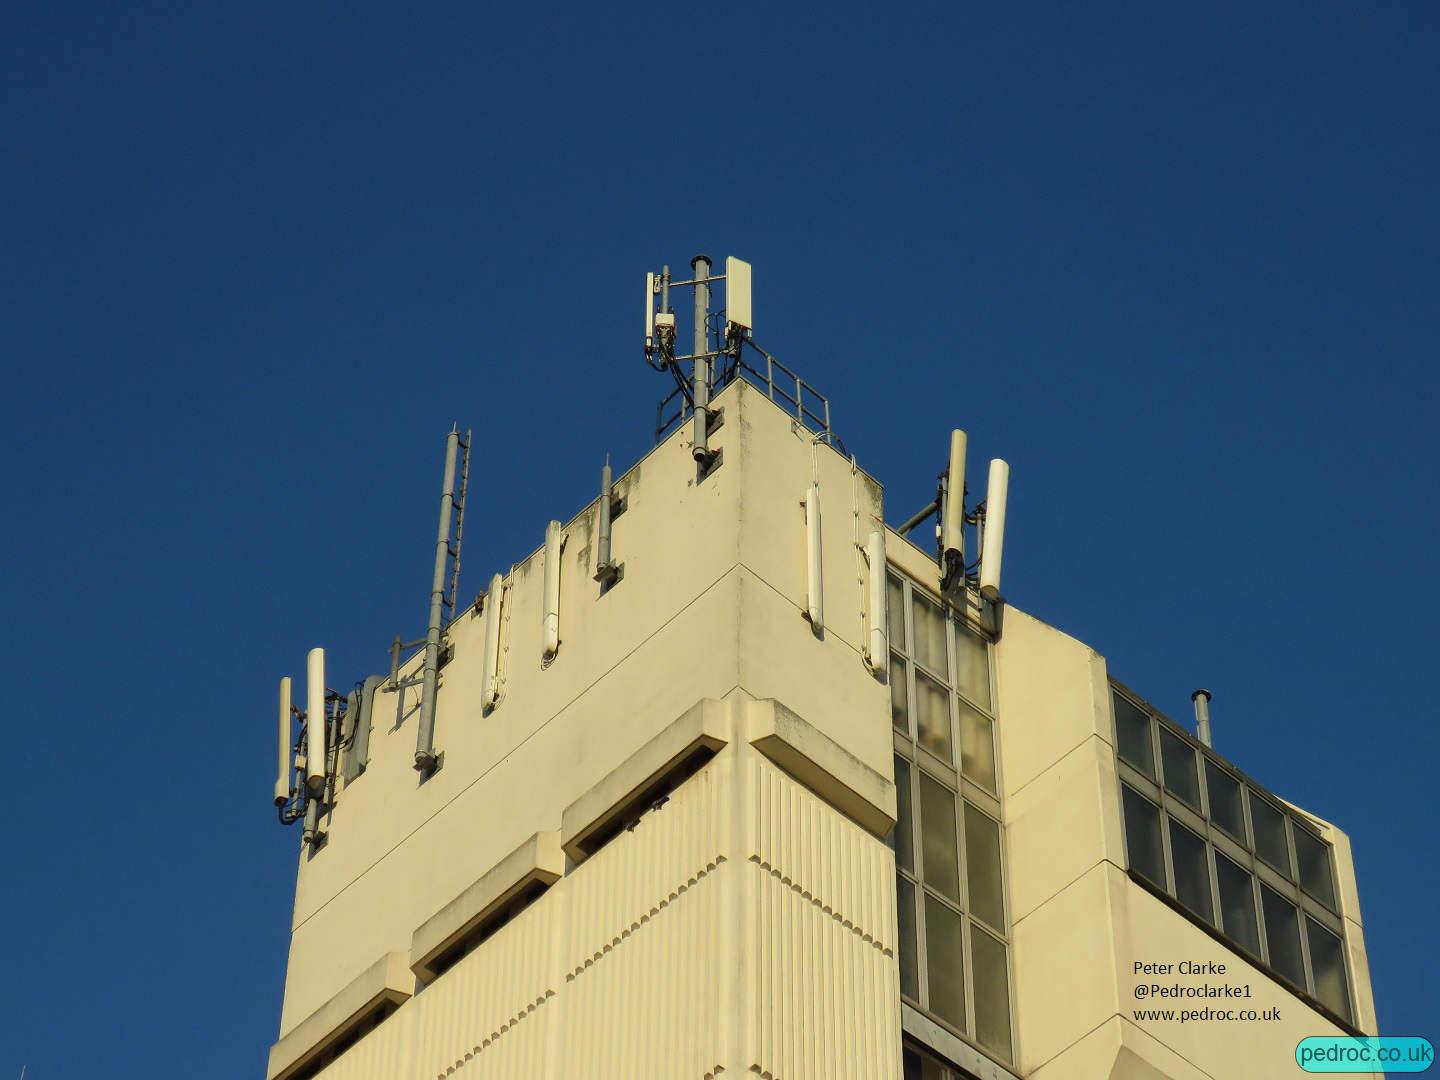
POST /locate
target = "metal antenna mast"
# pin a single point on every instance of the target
(701, 265)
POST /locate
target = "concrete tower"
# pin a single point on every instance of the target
(706, 808)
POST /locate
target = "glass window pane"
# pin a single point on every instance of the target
(932, 713)
(929, 635)
(899, 697)
(1312, 856)
(895, 613)
(910, 1065)
(1192, 870)
(1269, 825)
(1225, 806)
(1178, 758)
(1142, 836)
(1327, 964)
(909, 966)
(977, 747)
(904, 836)
(945, 961)
(1282, 935)
(939, 860)
(1132, 735)
(982, 867)
(1237, 905)
(972, 664)
(992, 992)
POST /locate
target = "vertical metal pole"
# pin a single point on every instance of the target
(665, 289)
(701, 391)
(602, 556)
(425, 738)
(1201, 698)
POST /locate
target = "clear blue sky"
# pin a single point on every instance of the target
(1179, 267)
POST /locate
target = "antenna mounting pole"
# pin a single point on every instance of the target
(701, 391)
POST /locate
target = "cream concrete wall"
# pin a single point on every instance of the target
(710, 605)
(1080, 924)
(744, 928)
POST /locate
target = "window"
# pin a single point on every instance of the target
(1229, 853)
(954, 951)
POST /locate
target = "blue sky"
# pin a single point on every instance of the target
(1178, 266)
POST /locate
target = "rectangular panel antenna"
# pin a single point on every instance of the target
(737, 293)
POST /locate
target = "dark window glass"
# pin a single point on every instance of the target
(939, 853)
(911, 1065)
(1142, 836)
(1178, 758)
(932, 713)
(1225, 801)
(1237, 904)
(944, 957)
(1132, 735)
(1282, 934)
(1192, 870)
(929, 635)
(909, 969)
(904, 824)
(1328, 965)
(982, 867)
(992, 992)
(1312, 856)
(977, 746)
(972, 663)
(1269, 825)
(895, 612)
(899, 697)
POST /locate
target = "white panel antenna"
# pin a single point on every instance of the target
(551, 637)
(814, 586)
(952, 529)
(993, 550)
(738, 292)
(649, 313)
(315, 721)
(285, 767)
(490, 688)
(879, 647)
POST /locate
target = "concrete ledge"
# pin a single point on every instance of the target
(702, 728)
(537, 860)
(822, 765)
(387, 980)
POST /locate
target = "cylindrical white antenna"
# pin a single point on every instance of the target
(550, 644)
(990, 559)
(286, 765)
(489, 689)
(649, 313)
(879, 647)
(952, 514)
(315, 721)
(1201, 698)
(814, 590)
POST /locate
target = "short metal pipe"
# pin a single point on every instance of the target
(425, 736)
(1201, 698)
(602, 554)
(918, 518)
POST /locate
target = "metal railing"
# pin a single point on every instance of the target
(798, 397)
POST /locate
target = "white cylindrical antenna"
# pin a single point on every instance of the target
(286, 764)
(649, 313)
(315, 721)
(490, 690)
(814, 587)
(1201, 698)
(952, 514)
(879, 647)
(990, 558)
(550, 640)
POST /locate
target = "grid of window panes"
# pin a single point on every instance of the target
(954, 952)
(1230, 853)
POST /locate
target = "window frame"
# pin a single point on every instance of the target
(1243, 853)
(950, 775)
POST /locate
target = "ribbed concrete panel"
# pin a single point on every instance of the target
(825, 856)
(489, 996)
(829, 996)
(384, 1054)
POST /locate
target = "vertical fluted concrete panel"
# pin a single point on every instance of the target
(384, 1054)
(823, 891)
